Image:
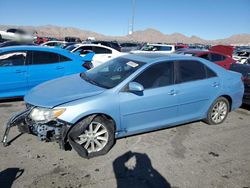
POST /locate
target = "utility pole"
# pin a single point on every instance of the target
(131, 24)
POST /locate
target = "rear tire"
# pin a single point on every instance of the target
(218, 111)
(92, 137)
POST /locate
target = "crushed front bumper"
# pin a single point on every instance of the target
(55, 130)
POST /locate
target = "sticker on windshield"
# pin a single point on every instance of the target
(132, 64)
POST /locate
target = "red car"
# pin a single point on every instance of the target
(220, 54)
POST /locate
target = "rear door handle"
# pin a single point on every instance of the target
(20, 71)
(58, 68)
(172, 92)
(215, 84)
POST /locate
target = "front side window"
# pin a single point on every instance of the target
(158, 75)
(40, 57)
(12, 59)
(190, 71)
(112, 73)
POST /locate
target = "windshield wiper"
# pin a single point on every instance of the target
(84, 76)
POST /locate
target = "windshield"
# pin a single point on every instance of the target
(70, 47)
(112, 73)
(156, 48)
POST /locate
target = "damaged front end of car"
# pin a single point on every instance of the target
(42, 122)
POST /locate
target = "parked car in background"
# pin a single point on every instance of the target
(40, 40)
(242, 56)
(128, 95)
(23, 67)
(102, 53)
(157, 48)
(129, 46)
(112, 44)
(58, 44)
(73, 39)
(223, 59)
(245, 71)
(17, 35)
(15, 43)
(180, 46)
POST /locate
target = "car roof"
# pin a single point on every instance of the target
(38, 48)
(96, 45)
(156, 57)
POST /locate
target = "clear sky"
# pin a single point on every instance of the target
(208, 19)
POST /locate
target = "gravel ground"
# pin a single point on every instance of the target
(192, 155)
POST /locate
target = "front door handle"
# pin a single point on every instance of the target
(172, 92)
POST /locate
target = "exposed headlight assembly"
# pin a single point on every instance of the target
(45, 114)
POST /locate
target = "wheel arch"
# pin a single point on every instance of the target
(229, 99)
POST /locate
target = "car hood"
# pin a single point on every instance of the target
(60, 91)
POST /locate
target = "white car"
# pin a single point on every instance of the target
(158, 48)
(102, 53)
(17, 35)
(242, 57)
(54, 43)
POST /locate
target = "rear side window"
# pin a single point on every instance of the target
(210, 73)
(100, 50)
(190, 71)
(40, 57)
(205, 56)
(12, 59)
(217, 57)
(165, 48)
(63, 58)
(158, 75)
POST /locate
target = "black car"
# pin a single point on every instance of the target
(111, 44)
(244, 69)
(129, 46)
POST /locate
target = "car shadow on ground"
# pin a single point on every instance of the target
(245, 106)
(134, 169)
(16, 99)
(9, 175)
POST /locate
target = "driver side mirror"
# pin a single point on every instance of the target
(135, 87)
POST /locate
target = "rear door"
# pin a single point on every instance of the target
(198, 86)
(43, 67)
(13, 74)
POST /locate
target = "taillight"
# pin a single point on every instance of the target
(88, 65)
(245, 79)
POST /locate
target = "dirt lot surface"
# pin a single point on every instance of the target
(193, 155)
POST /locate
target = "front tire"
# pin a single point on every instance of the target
(93, 136)
(218, 111)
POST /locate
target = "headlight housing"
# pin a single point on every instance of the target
(45, 114)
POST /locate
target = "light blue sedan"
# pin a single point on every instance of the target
(23, 67)
(128, 95)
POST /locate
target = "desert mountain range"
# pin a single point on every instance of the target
(148, 35)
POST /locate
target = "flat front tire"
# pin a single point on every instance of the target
(218, 111)
(91, 138)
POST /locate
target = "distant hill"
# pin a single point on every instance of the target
(148, 35)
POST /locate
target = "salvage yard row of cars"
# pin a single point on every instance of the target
(68, 91)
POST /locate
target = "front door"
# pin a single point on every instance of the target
(13, 72)
(156, 106)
